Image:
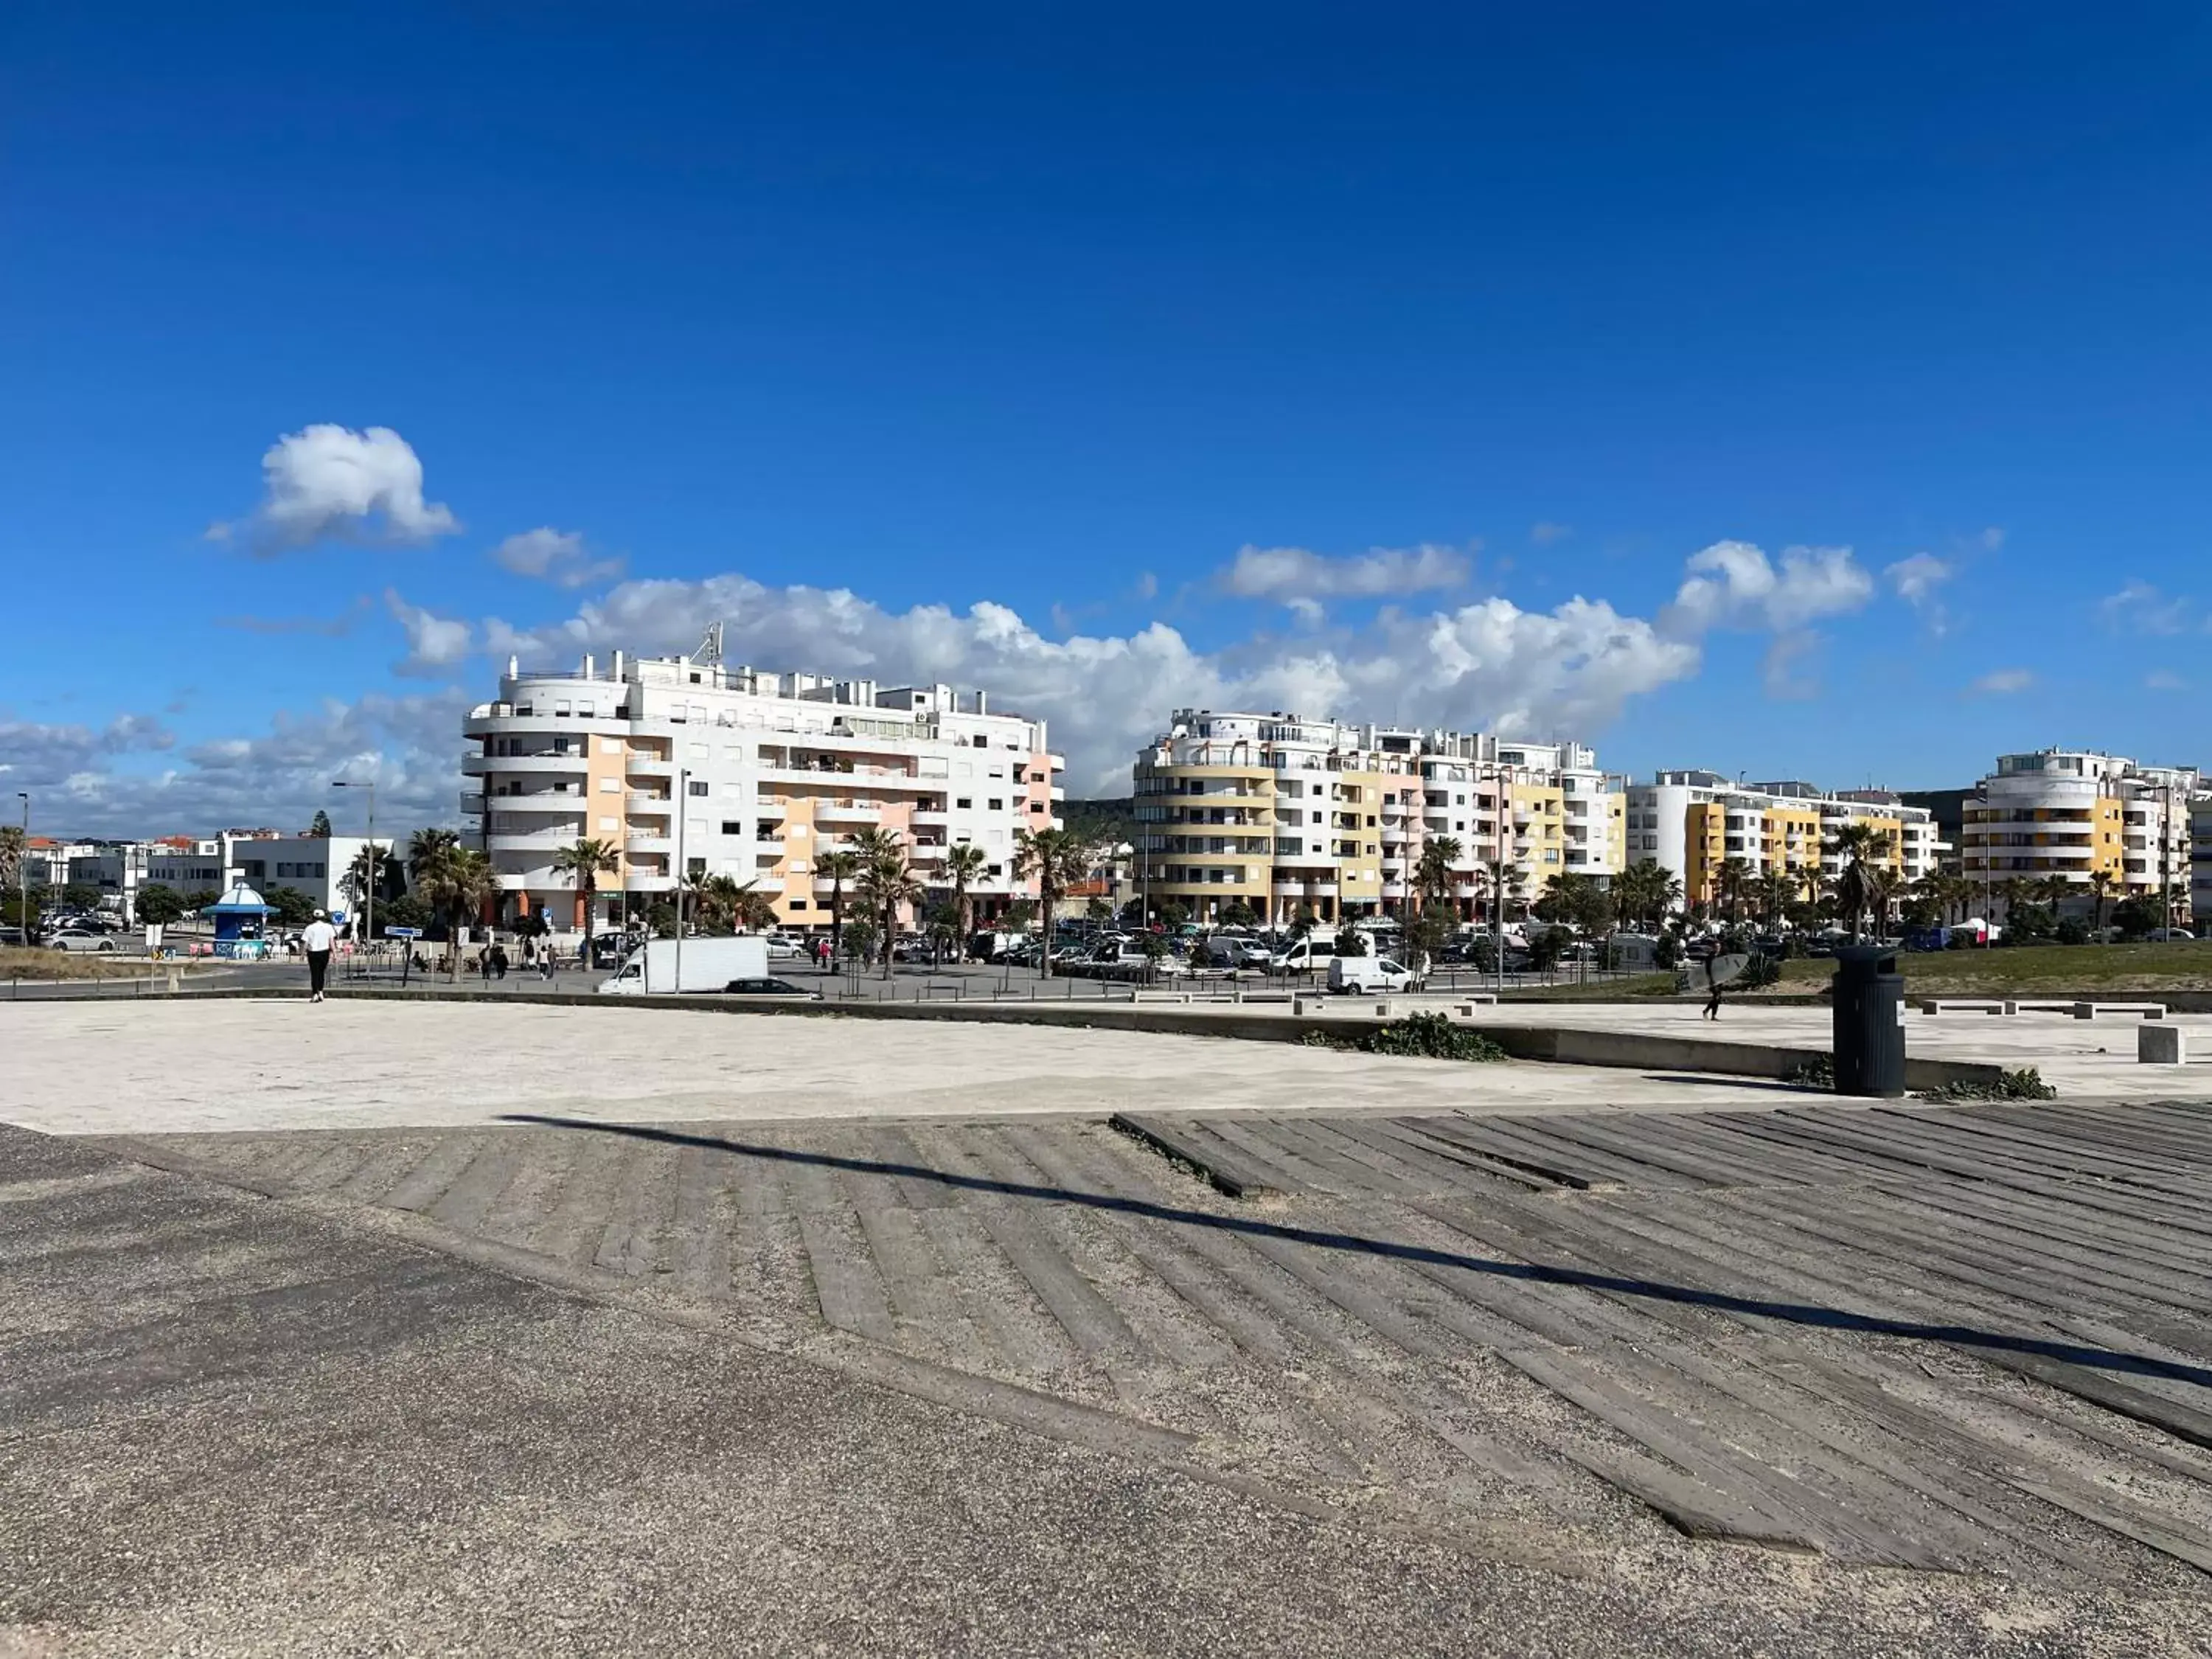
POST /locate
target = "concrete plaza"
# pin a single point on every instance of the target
(502, 1328)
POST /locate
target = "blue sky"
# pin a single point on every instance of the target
(1013, 328)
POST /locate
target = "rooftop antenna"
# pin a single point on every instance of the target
(710, 646)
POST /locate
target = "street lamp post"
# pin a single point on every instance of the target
(368, 886)
(682, 810)
(23, 871)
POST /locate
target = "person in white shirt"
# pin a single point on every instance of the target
(318, 937)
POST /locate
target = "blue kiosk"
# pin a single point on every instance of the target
(240, 923)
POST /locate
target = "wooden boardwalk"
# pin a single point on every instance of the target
(1972, 1339)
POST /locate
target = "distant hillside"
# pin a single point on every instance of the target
(1112, 821)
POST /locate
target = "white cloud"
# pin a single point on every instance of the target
(1298, 573)
(435, 643)
(1915, 580)
(2002, 682)
(1568, 670)
(2164, 680)
(1544, 532)
(2140, 608)
(1733, 585)
(1785, 669)
(408, 746)
(1992, 539)
(558, 556)
(331, 480)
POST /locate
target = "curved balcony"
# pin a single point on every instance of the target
(480, 766)
(644, 766)
(648, 842)
(573, 803)
(532, 841)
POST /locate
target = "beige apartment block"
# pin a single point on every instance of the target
(1694, 822)
(688, 767)
(2101, 821)
(1278, 815)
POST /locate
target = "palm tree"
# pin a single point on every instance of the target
(1433, 874)
(1863, 885)
(364, 873)
(454, 882)
(2100, 888)
(2014, 890)
(964, 864)
(1731, 883)
(841, 866)
(1055, 858)
(426, 847)
(2055, 890)
(582, 863)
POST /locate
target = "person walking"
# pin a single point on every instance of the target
(499, 962)
(318, 937)
(1712, 989)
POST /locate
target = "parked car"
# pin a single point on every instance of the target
(80, 940)
(765, 987)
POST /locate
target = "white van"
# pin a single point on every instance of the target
(1307, 955)
(1363, 975)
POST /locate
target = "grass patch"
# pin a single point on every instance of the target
(16, 962)
(1422, 1036)
(1636, 985)
(2030, 968)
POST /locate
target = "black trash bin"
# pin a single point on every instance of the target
(1870, 996)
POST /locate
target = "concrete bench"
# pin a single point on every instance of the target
(2161, 1045)
(2142, 1009)
(1962, 1006)
(1464, 1005)
(2031, 1006)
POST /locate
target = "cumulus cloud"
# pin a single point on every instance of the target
(1492, 663)
(1299, 573)
(2002, 682)
(329, 480)
(2139, 607)
(2163, 679)
(1732, 585)
(435, 643)
(36, 755)
(558, 556)
(96, 783)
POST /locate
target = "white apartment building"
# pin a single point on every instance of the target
(1281, 814)
(2200, 881)
(687, 766)
(2074, 813)
(313, 864)
(1693, 822)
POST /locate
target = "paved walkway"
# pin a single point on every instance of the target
(82, 1068)
(1944, 1360)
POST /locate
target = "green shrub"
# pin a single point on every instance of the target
(2026, 1083)
(1420, 1037)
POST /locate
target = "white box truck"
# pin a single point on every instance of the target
(708, 965)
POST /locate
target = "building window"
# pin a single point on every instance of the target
(696, 787)
(998, 803)
(964, 802)
(730, 828)
(695, 867)
(800, 904)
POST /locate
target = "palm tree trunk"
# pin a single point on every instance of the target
(590, 890)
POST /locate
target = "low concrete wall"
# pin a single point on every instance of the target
(1557, 1044)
